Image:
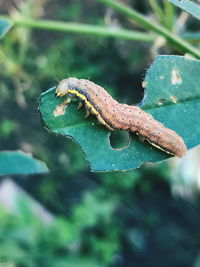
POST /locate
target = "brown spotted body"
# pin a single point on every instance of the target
(114, 115)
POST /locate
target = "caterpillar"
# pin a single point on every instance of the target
(115, 115)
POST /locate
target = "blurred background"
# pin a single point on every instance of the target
(71, 216)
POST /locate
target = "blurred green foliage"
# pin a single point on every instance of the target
(105, 219)
(7, 127)
(122, 223)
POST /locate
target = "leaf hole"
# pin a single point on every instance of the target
(119, 139)
(60, 109)
(161, 101)
(176, 78)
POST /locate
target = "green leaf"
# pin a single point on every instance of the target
(17, 162)
(175, 101)
(188, 6)
(192, 36)
(161, 93)
(4, 27)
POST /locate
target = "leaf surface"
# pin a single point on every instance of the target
(189, 6)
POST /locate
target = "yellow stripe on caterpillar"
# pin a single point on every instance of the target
(91, 106)
(157, 146)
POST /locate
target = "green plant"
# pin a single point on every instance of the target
(173, 105)
(100, 219)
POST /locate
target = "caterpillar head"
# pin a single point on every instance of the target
(65, 85)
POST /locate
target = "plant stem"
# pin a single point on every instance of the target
(169, 13)
(157, 10)
(81, 29)
(141, 20)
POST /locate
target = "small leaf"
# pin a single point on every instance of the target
(172, 97)
(188, 6)
(192, 36)
(17, 162)
(4, 27)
